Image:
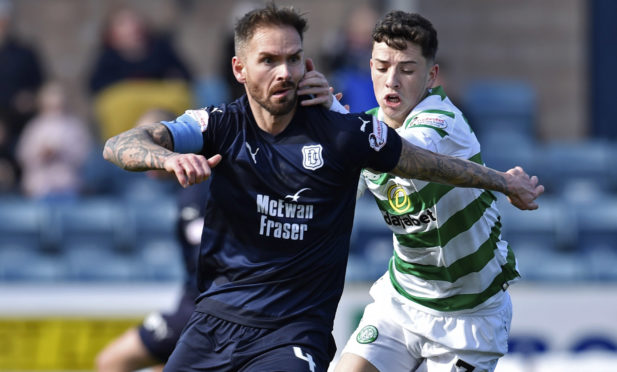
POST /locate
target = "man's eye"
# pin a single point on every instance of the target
(294, 59)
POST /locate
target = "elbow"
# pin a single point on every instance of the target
(107, 152)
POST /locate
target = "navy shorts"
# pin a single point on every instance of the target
(213, 344)
(159, 332)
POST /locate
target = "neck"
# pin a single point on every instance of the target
(268, 122)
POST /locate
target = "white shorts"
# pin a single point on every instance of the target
(397, 335)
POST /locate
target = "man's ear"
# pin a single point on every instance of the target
(432, 75)
(238, 69)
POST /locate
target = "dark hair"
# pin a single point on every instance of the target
(398, 27)
(270, 15)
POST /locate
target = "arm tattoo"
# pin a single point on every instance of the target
(422, 164)
(142, 148)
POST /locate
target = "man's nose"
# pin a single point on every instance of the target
(283, 72)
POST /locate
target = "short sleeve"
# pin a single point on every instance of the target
(384, 145)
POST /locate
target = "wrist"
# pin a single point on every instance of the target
(336, 106)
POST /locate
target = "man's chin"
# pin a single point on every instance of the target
(283, 108)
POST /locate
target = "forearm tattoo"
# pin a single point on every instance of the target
(425, 165)
(142, 148)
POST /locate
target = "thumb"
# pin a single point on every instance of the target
(309, 65)
(213, 161)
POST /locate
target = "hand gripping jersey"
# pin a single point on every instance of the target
(448, 251)
(280, 211)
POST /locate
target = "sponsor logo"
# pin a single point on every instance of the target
(216, 109)
(311, 157)
(294, 198)
(279, 217)
(367, 335)
(408, 220)
(400, 203)
(378, 138)
(201, 117)
(364, 122)
(398, 199)
(432, 120)
(253, 154)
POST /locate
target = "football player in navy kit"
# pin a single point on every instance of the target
(281, 203)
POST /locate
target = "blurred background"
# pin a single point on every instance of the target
(87, 250)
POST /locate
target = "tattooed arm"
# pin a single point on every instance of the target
(422, 164)
(150, 147)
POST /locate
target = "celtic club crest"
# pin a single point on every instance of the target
(367, 334)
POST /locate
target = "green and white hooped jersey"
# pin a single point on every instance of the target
(448, 251)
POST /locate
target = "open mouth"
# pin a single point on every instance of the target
(393, 99)
(282, 90)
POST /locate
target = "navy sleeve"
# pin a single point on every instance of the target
(366, 141)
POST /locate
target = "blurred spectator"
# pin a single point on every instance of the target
(103, 178)
(346, 55)
(52, 148)
(8, 165)
(131, 51)
(20, 78)
(135, 69)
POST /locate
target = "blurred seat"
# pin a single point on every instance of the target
(23, 223)
(597, 237)
(99, 263)
(543, 240)
(91, 223)
(503, 150)
(119, 106)
(564, 162)
(151, 220)
(23, 265)
(162, 260)
(552, 227)
(371, 242)
(597, 224)
(506, 106)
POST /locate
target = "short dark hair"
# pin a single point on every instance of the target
(398, 27)
(267, 16)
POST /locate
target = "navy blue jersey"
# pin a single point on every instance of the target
(191, 210)
(280, 208)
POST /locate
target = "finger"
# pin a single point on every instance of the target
(181, 177)
(313, 79)
(318, 100)
(189, 170)
(215, 160)
(338, 96)
(347, 107)
(321, 91)
(309, 65)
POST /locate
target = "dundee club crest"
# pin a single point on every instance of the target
(311, 157)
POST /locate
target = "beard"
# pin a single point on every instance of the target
(276, 107)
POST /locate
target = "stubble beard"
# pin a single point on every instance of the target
(275, 108)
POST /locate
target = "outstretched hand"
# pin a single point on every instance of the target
(315, 84)
(191, 168)
(522, 190)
